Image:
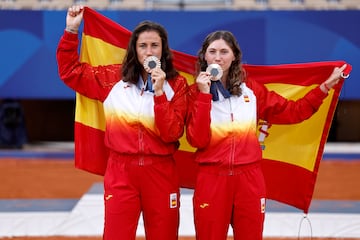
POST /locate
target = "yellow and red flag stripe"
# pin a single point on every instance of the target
(291, 153)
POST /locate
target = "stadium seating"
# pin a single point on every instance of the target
(126, 4)
(52, 4)
(186, 4)
(249, 5)
(286, 4)
(96, 4)
(17, 4)
(351, 4)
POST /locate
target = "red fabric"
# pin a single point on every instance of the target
(150, 188)
(88, 157)
(91, 81)
(292, 184)
(303, 74)
(239, 198)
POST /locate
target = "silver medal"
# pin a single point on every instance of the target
(215, 71)
(151, 63)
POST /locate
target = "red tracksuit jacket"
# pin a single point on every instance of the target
(135, 123)
(224, 131)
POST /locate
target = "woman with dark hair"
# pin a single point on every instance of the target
(145, 104)
(222, 118)
(131, 67)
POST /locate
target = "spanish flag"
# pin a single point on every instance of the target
(291, 153)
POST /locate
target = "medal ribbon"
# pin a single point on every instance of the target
(149, 86)
(214, 87)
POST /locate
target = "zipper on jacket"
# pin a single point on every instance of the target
(231, 111)
(141, 134)
(232, 152)
(232, 155)
(141, 146)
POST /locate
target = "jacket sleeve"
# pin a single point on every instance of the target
(170, 115)
(198, 132)
(276, 109)
(90, 81)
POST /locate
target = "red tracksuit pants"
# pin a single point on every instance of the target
(222, 198)
(139, 184)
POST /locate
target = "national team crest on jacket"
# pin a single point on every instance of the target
(173, 200)
(246, 98)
